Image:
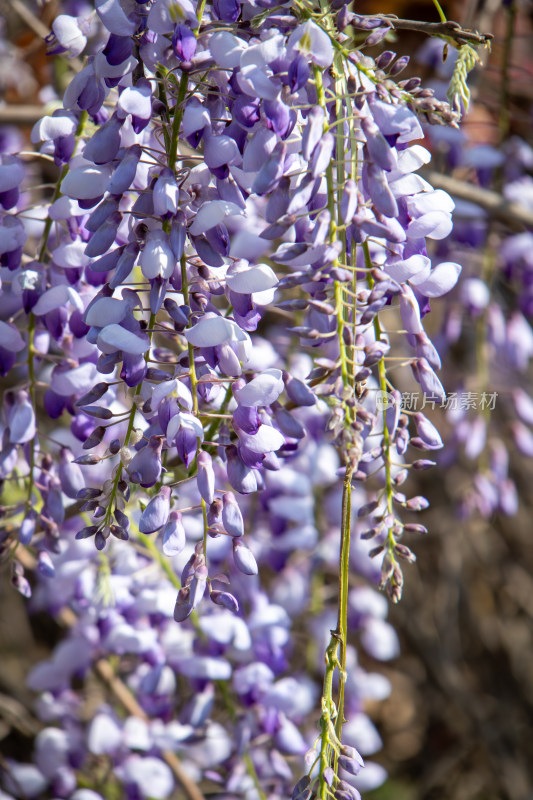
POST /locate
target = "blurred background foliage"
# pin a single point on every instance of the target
(459, 722)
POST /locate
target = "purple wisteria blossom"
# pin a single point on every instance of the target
(208, 307)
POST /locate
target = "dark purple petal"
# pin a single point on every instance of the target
(64, 148)
(145, 467)
(218, 238)
(227, 10)
(133, 370)
(277, 114)
(118, 49)
(246, 418)
(299, 72)
(104, 237)
(378, 147)
(103, 146)
(246, 110)
(124, 174)
(183, 42)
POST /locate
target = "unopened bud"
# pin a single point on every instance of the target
(417, 503)
(93, 395)
(95, 438)
(404, 552)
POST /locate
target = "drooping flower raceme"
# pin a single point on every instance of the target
(207, 309)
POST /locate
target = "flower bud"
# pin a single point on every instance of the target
(385, 59)
(93, 395)
(95, 438)
(377, 36)
(121, 518)
(402, 551)
(345, 791)
(183, 607)
(156, 512)
(302, 790)
(224, 599)
(97, 411)
(427, 432)
(243, 558)
(205, 478)
(145, 467)
(45, 565)
(367, 509)
(86, 532)
(399, 65)
(418, 503)
(231, 515)
(422, 463)
(21, 419)
(27, 527)
(119, 533)
(88, 460)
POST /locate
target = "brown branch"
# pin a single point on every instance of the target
(126, 697)
(17, 716)
(122, 693)
(21, 114)
(32, 21)
(514, 215)
(449, 29)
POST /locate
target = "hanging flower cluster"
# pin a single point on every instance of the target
(209, 308)
(489, 314)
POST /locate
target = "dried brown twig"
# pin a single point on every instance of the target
(515, 215)
(449, 29)
(21, 114)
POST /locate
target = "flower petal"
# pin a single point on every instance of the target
(441, 279)
(114, 337)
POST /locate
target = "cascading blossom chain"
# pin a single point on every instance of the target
(226, 170)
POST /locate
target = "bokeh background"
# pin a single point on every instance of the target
(459, 722)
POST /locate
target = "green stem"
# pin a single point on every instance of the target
(161, 74)
(178, 108)
(440, 12)
(176, 120)
(332, 717)
(329, 713)
(149, 543)
(344, 582)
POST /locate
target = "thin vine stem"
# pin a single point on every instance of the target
(332, 717)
